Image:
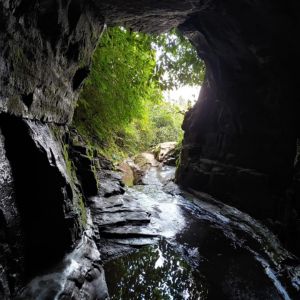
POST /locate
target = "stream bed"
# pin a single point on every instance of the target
(203, 250)
(157, 242)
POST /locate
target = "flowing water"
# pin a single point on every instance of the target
(207, 250)
(197, 248)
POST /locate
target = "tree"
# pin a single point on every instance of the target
(128, 75)
(178, 63)
(119, 84)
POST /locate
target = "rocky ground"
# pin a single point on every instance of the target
(122, 221)
(217, 239)
(239, 256)
(117, 224)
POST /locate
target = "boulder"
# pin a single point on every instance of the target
(133, 170)
(167, 153)
(127, 173)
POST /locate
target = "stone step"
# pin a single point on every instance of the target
(136, 242)
(106, 221)
(128, 231)
(101, 203)
(124, 209)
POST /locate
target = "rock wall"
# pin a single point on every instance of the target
(41, 208)
(47, 47)
(45, 53)
(11, 241)
(240, 138)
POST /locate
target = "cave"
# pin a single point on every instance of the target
(241, 140)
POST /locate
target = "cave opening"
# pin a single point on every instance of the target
(211, 172)
(139, 89)
(239, 148)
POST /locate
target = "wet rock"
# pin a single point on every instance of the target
(11, 233)
(109, 203)
(172, 188)
(110, 250)
(145, 161)
(246, 114)
(86, 173)
(134, 170)
(46, 58)
(244, 230)
(117, 207)
(132, 173)
(129, 232)
(110, 183)
(5, 291)
(166, 153)
(136, 242)
(80, 275)
(231, 184)
(103, 162)
(128, 177)
(91, 285)
(46, 198)
(118, 218)
(85, 165)
(138, 217)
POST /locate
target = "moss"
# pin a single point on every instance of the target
(71, 172)
(79, 202)
(21, 63)
(178, 150)
(69, 165)
(18, 56)
(15, 105)
(82, 210)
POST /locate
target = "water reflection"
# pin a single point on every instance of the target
(224, 253)
(155, 272)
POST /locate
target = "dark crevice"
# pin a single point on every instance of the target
(79, 77)
(73, 52)
(24, 7)
(27, 99)
(48, 21)
(39, 197)
(74, 14)
(2, 22)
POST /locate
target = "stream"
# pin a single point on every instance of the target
(157, 242)
(204, 250)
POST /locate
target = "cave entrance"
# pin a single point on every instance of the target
(138, 91)
(121, 100)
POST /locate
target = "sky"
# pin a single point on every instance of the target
(182, 95)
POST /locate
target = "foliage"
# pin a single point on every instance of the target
(178, 63)
(166, 120)
(161, 122)
(120, 109)
(118, 87)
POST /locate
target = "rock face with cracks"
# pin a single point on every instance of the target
(46, 52)
(241, 136)
(240, 139)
